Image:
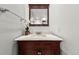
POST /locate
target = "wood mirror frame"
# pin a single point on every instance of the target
(39, 6)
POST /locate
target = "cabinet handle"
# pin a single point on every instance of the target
(39, 51)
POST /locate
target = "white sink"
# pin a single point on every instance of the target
(38, 37)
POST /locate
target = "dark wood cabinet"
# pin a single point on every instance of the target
(38, 47)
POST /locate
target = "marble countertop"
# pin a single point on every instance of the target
(39, 37)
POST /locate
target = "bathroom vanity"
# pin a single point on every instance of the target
(38, 45)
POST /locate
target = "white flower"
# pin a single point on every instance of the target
(25, 23)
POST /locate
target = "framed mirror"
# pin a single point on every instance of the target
(39, 14)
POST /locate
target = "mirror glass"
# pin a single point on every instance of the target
(38, 16)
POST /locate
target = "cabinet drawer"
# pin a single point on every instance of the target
(38, 47)
(40, 52)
